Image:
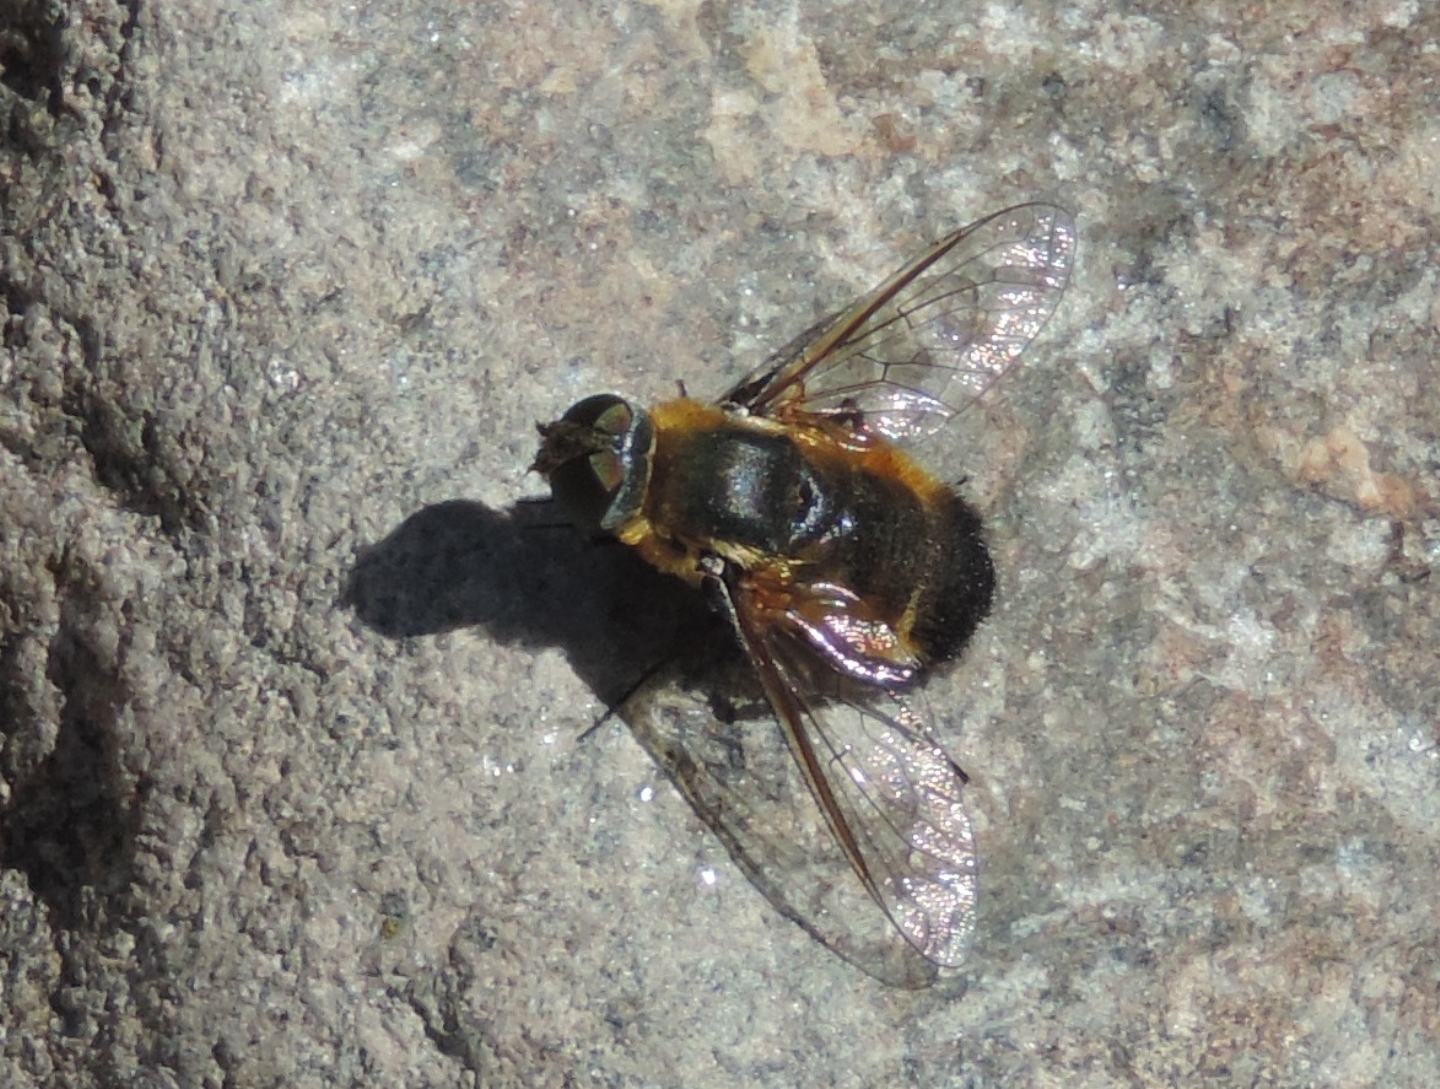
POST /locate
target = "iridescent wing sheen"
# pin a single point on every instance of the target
(905, 358)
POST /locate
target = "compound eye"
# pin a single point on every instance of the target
(609, 470)
(602, 486)
(610, 417)
(616, 418)
(604, 412)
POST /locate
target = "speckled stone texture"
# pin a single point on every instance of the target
(290, 689)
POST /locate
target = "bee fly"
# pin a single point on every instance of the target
(846, 570)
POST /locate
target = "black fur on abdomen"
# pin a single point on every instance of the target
(963, 583)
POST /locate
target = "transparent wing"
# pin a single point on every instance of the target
(928, 341)
(888, 791)
(738, 776)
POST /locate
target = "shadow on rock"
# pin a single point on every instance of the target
(527, 577)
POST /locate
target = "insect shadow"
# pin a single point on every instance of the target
(526, 577)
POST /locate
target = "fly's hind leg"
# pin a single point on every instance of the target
(715, 585)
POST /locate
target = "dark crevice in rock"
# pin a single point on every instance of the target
(32, 53)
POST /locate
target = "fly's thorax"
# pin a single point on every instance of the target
(733, 484)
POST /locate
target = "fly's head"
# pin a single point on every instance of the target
(597, 459)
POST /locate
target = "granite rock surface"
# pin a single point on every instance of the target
(290, 686)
